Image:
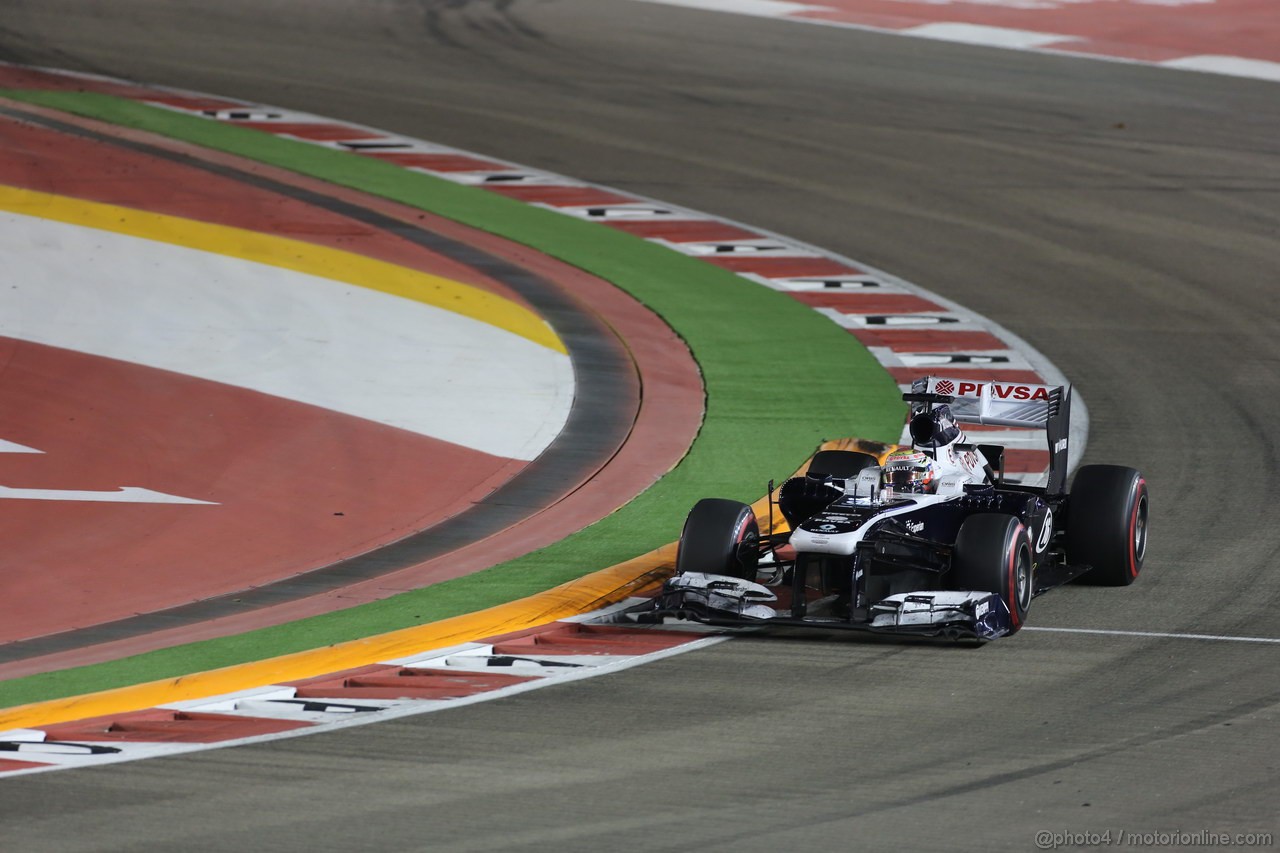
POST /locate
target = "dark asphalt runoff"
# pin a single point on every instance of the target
(1124, 220)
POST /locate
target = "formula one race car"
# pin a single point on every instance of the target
(931, 541)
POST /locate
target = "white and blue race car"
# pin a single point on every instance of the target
(958, 553)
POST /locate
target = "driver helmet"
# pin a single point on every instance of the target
(908, 471)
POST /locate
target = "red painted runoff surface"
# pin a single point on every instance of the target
(290, 487)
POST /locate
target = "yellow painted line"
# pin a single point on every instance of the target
(285, 253)
(592, 592)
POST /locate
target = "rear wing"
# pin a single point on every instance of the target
(1013, 404)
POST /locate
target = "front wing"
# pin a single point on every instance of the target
(732, 602)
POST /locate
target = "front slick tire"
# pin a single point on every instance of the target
(1107, 524)
(719, 538)
(993, 554)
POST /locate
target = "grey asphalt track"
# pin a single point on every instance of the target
(1124, 220)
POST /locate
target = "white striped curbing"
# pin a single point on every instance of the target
(982, 35)
(317, 713)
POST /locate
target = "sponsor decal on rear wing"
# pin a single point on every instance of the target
(996, 403)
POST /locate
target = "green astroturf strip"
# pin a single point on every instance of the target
(779, 376)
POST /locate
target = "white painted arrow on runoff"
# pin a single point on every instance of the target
(125, 494)
(14, 447)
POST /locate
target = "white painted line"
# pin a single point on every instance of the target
(895, 321)
(70, 755)
(825, 284)
(389, 144)
(13, 447)
(532, 662)
(1157, 634)
(728, 248)
(507, 178)
(888, 320)
(24, 735)
(988, 36)
(428, 657)
(253, 114)
(297, 709)
(756, 8)
(1234, 66)
(630, 211)
(231, 114)
(603, 613)
(226, 702)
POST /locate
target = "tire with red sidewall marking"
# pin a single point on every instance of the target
(993, 554)
(719, 538)
(1107, 524)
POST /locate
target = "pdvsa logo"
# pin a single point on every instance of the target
(1003, 392)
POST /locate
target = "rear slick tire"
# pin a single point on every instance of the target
(719, 538)
(1107, 524)
(993, 554)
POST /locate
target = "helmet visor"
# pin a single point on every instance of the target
(905, 476)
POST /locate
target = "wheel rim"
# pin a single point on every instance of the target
(1023, 581)
(1140, 531)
